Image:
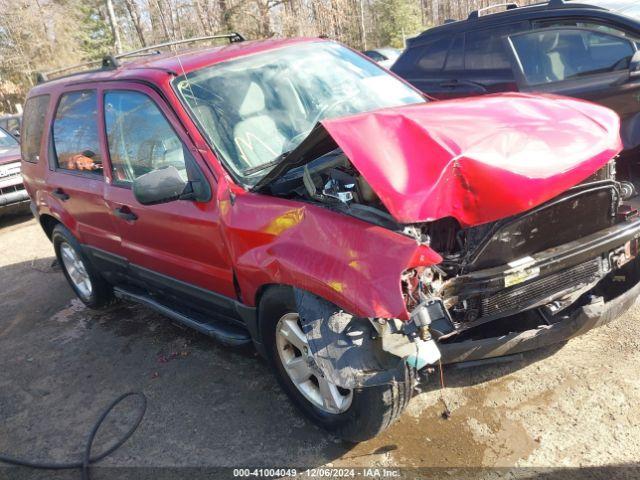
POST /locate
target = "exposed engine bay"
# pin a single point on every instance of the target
(534, 265)
(332, 181)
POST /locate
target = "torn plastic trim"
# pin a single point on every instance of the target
(353, 352)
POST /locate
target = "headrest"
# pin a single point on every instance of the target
(253, 101)
(548, 41)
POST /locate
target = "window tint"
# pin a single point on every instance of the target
(567, 22)
(7, 141)
(555, 55)
(35, 111)
(433, 55)
(75, 133)
(376, 56)
(455, 59)
(485, 49)
(140, 137)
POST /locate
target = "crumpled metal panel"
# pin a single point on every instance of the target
(477, 159)
(349, 262)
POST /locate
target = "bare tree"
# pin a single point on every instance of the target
(114, 26)
(134, 13)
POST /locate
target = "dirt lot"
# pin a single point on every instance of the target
(571, 406)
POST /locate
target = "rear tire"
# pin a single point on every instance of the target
(84, 279)
(370, 409)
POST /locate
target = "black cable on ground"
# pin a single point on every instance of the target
(87, 459)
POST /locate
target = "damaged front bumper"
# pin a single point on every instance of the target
(567, 290)
(577, 322)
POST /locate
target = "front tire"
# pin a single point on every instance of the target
(84, 279)
(354, 415)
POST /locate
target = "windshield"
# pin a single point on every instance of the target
(6, 140)
(255, 109)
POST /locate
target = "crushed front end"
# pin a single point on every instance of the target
(533, 279)
(528, 237)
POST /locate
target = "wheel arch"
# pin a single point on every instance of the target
(48, 223)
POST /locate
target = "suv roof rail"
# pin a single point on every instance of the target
(476, 13)
(110, 62)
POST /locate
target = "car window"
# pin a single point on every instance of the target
(591, 25)
(6, 140)
(433, 54)
(455, 59)
(75, 133)
(13, 125)
(255, 109)
(133, 150)
(373, 55)
(35, 111)
(555, 55)
(485, 49)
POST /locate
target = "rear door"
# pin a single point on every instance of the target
(586, 63)
(430, 65)
(175, 248)
(75, 183)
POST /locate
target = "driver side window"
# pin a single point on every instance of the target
(140, 137)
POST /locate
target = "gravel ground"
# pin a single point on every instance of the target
(575, 405)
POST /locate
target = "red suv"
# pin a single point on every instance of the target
(293, 194)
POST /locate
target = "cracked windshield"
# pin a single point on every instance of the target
(256, 109)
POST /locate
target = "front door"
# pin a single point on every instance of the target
(584, 63)
(175, 248)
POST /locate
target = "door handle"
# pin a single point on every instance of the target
(451, 84)
(126, 214)
(59, 193)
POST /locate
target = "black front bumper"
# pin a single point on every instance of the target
(579, 321)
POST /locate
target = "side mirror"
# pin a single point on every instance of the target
(160, 186)
(634, 66)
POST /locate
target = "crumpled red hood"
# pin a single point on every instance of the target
(478, 159)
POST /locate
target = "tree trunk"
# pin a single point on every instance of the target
(113, 22)
(134, 13)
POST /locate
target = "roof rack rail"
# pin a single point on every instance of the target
(476, 13)
(110, 62)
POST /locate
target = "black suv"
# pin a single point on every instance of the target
(568, 48)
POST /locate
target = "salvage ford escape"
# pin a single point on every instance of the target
(293, 194)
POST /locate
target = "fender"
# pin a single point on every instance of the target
(351, 263)
(47, 204)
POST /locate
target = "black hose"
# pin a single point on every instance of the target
(87, 459)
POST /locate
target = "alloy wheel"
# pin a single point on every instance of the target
(297, 360)
(74, 266)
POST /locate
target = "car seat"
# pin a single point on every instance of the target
(257, 137)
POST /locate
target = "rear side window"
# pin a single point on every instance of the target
(35, 111)
(433, 55)
(133, 150)
(75, 133)
(455, 59)
(485, 49)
